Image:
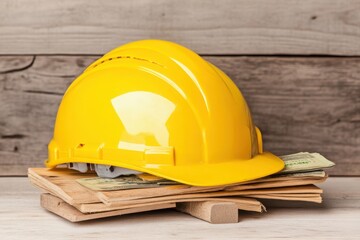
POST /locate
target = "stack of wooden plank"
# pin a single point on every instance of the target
(66, 197)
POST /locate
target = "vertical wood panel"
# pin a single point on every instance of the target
(300, 104)
(207, 26)
(303, 104)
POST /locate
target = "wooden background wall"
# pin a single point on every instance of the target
(296, 62)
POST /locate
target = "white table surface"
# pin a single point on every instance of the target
(21, 217)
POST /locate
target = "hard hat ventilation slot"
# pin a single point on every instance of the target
(127, 57)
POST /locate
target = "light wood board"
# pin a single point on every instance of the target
(278, 183)
(107, 198)
(212, 212)
(243, 203)
(248, 204)
(208, 26)
(64, 210)
(61, 183)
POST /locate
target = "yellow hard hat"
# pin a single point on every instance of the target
(157, 107)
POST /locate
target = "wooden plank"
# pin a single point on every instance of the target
(300, 104)
(272, 184)
(108, 200)
(62, 183)
(86, 201)
(247, 204)
(314, 198)
(207, 26)
(61, 208)
(243, 203)
(19, 209)
(212, 212)
(335, 194)
(65, 187)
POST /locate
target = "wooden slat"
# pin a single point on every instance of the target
(300, 104)
(339, 192)
(61, 208)
(212, 212)
(207, 26)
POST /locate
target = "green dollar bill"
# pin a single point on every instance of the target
(316, 173)
(124, 182)
(305, 162)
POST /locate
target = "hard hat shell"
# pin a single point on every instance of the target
(158, 107)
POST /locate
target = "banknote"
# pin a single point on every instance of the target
(304, 162)
(125, 182)
(316, 173)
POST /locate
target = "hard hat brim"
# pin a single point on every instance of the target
(216, 174)
(223, 173)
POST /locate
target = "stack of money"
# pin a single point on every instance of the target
(78, 196)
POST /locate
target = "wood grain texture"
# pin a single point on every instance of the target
(207, 26)
(212, 212)
(300, 104)
(61, 208)
(303, 104)
(19, 209)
